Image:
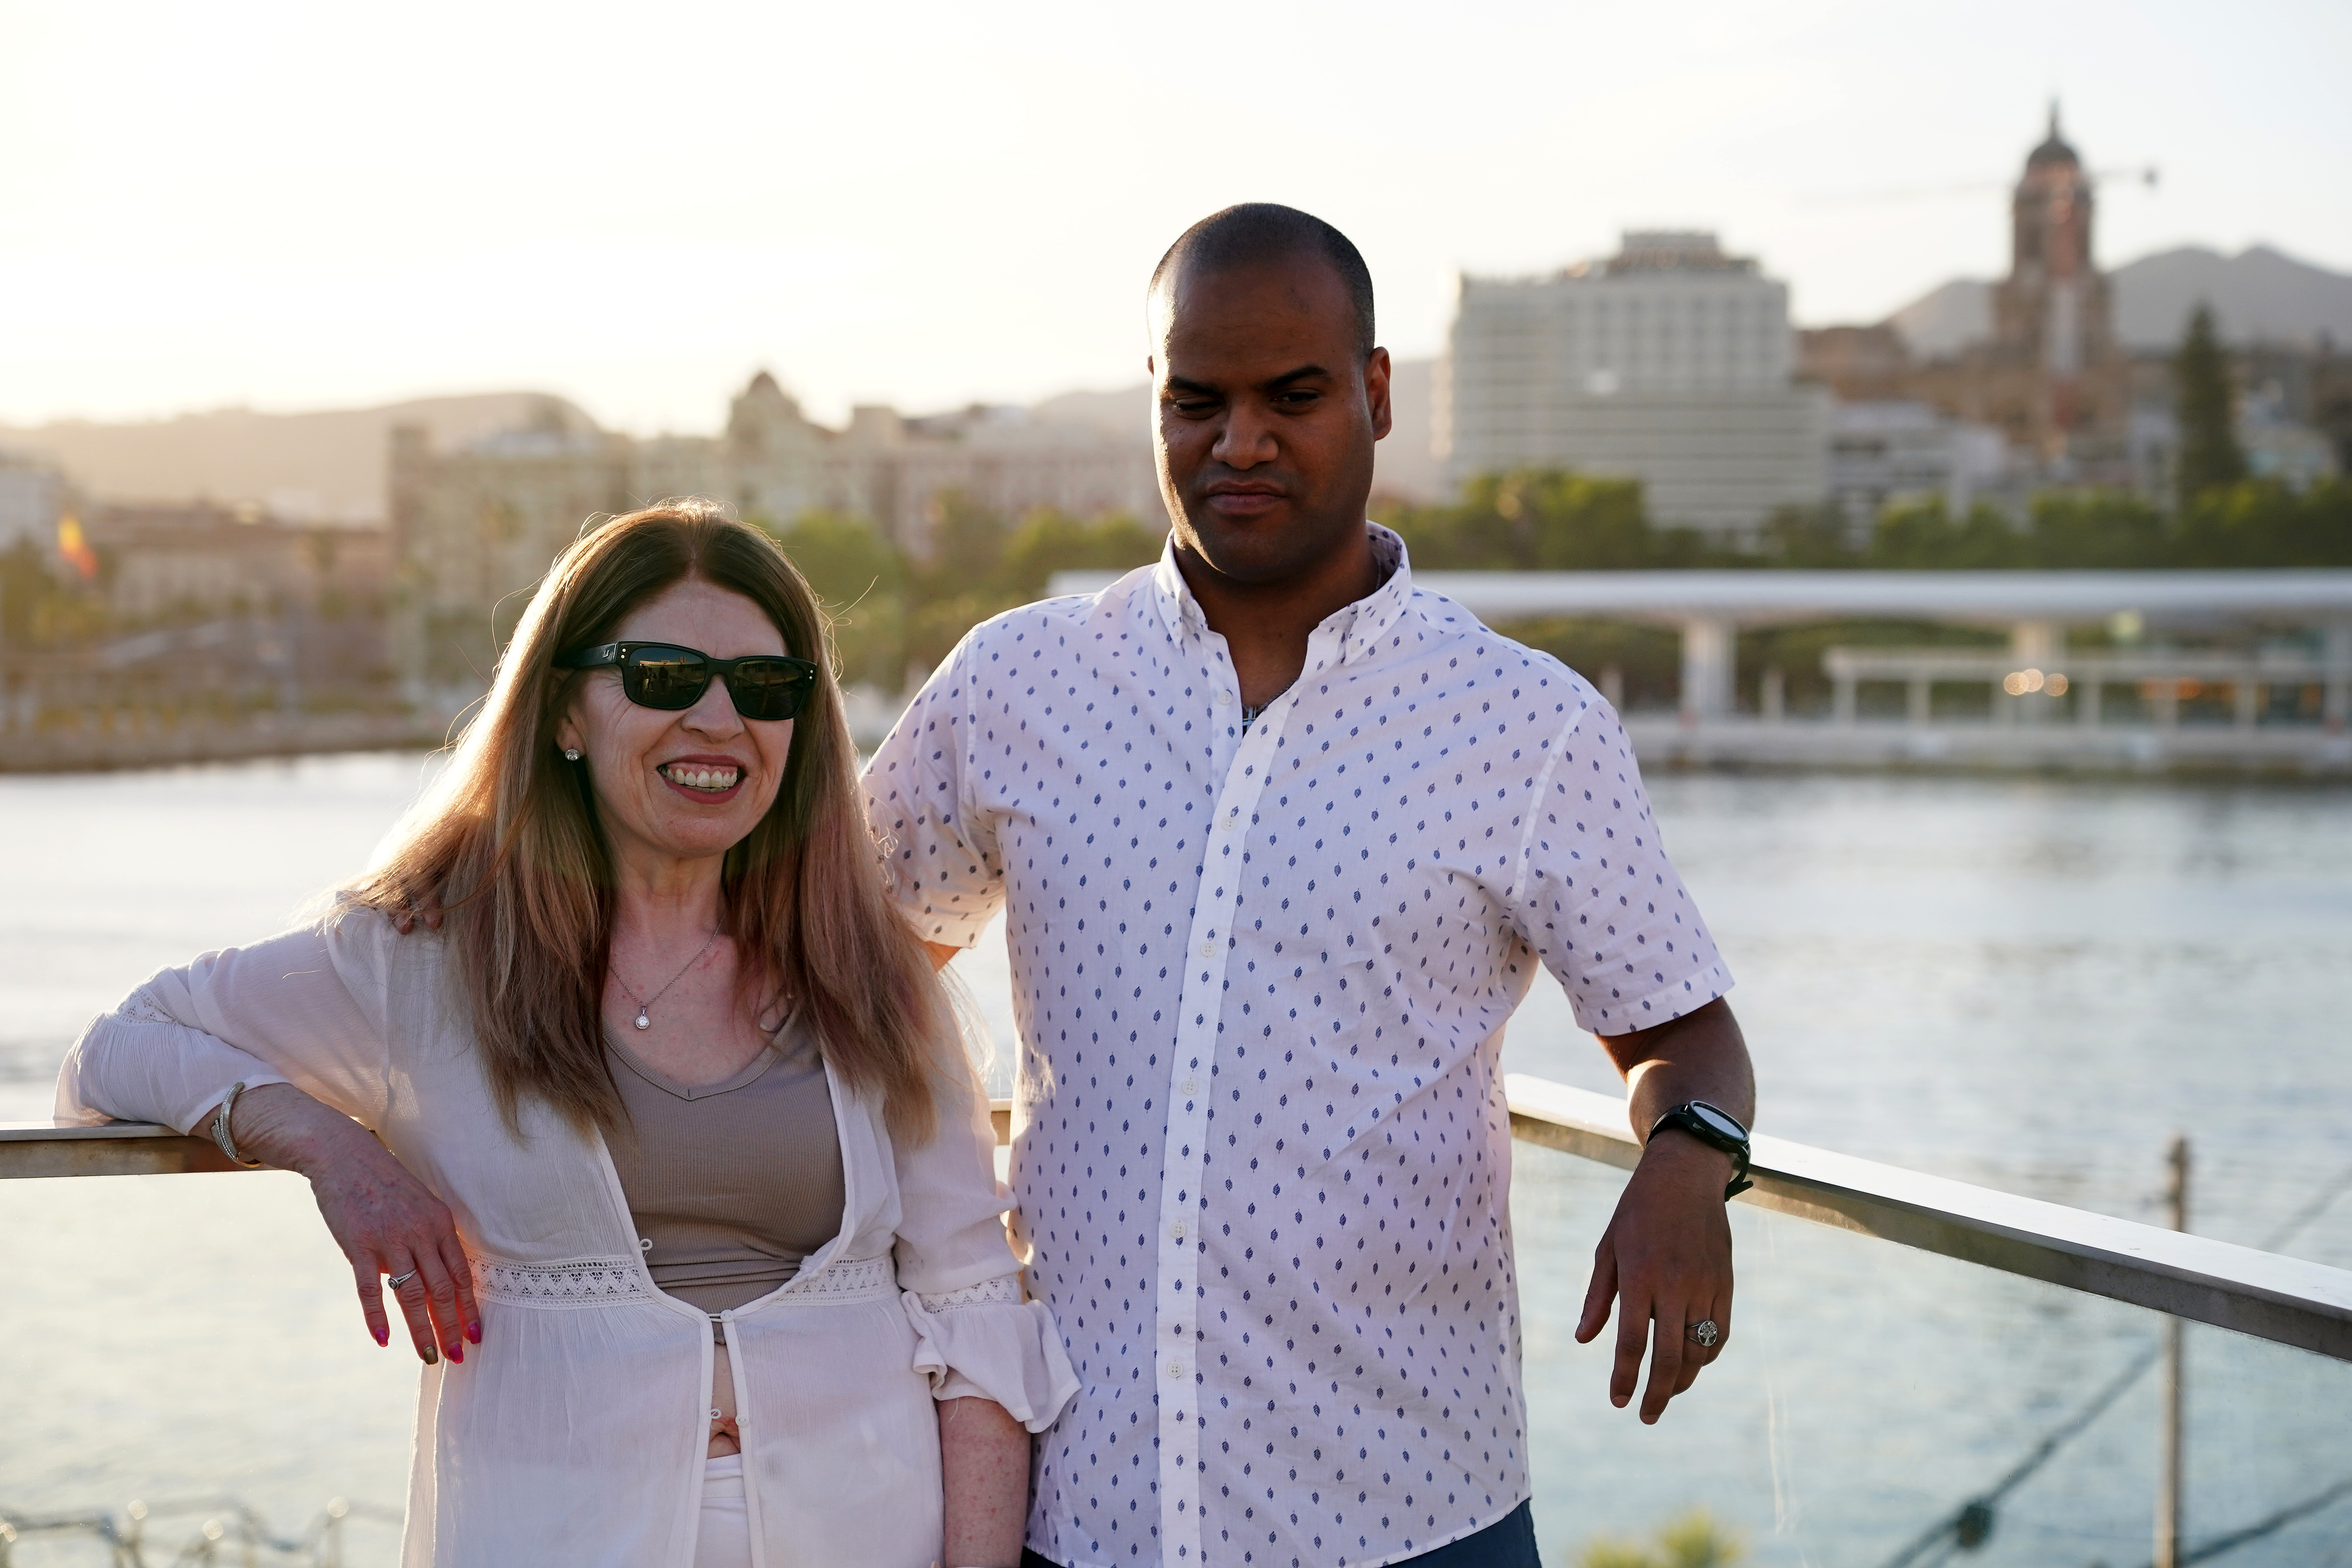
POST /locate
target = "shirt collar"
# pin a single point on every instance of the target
(1358, 625)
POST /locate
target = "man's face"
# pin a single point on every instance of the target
(1268, 416)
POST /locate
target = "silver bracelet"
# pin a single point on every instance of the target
(220, 1127)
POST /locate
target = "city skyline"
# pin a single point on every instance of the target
(291, 210)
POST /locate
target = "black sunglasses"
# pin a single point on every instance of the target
(665, 676)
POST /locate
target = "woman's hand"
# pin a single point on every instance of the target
(385, 1220)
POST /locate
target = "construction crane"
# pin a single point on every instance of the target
(2143, 176)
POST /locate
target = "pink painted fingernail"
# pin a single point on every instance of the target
(458, 1354)
(382, 1336)
(474, 1333)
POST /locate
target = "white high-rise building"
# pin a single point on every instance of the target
(31, 494)
(1668, 362)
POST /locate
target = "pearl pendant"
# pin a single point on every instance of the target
(644, 1022)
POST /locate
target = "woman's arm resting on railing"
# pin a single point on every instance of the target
(385, 1219)
(1666, 1255)
(984, 1467)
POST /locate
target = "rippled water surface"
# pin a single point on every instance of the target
(2025, 984)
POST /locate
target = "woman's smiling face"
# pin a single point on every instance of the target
(686, 784)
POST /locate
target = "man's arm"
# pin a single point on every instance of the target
(1666, 1255)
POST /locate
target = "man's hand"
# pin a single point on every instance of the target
(1665, 1257)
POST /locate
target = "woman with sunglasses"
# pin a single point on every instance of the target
(664, 1140)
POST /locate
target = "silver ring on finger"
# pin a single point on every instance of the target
(397, 1280)
(1703, 1333)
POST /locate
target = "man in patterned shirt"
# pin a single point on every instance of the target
(1281, 838)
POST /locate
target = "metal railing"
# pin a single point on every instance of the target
(2307, 1306)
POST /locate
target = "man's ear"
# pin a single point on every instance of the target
(1376, 392)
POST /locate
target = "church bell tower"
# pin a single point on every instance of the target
(2050, 313)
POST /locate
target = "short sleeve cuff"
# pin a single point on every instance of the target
(1629, 1014)
(986, 1343)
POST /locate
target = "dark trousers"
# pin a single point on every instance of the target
(1509, 1542)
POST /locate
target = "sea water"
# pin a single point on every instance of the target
(2027, 983)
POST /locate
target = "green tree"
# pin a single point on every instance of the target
(1809, 537)
(2108, 529)
(1544, 520)
(2262, 523)
(2205, 406)
(1925, 537)
(24, 584)
(1050, 541)
(1692, 1540)
(860, 580)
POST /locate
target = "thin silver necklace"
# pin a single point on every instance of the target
(643, 1019)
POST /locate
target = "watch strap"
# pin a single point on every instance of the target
(1689, 1120)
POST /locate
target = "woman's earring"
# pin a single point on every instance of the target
(571, 753)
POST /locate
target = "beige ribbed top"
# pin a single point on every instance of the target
(732, 1183)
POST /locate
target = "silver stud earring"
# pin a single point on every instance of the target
(571, 753)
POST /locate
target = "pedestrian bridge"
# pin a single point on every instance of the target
(2289, 702)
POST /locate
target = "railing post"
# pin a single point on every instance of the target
(2086, 701)
(2169, 1480)
(1707, 653)
(1773, 698)
(2247, 694)
(1916, 704)
(2336, 704)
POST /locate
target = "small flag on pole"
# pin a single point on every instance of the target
(75, 548)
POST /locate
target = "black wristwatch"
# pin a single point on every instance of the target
(1716, 1129)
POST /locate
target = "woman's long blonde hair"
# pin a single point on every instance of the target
(508, 842)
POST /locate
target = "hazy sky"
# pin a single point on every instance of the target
(305, 205)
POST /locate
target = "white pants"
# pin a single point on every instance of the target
(724, 1540)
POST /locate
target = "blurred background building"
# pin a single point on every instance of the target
(1650, 408)
(472, 529)
(2072, 365)
(1669, 362)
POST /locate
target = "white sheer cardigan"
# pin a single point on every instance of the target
(576, 1433)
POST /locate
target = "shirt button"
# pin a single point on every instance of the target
(1208, 950)
(1175, 1369)
(1225, 698)
(1177, 1230)
(1190, 1086)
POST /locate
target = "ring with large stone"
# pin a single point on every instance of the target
(1703, 1333)
(397, 1280)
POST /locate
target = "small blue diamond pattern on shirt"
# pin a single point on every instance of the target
(1260, 976)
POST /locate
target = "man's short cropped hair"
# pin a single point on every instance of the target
(1265, 231)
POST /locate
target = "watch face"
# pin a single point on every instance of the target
(1716, 1120)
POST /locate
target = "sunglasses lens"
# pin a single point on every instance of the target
(770, 687)
(665, 678)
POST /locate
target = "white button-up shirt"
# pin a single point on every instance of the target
(1262, 1156)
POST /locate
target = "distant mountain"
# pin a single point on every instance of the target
(1404, 465)
(1946, 319)
(326, 467)
(2258, 295)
